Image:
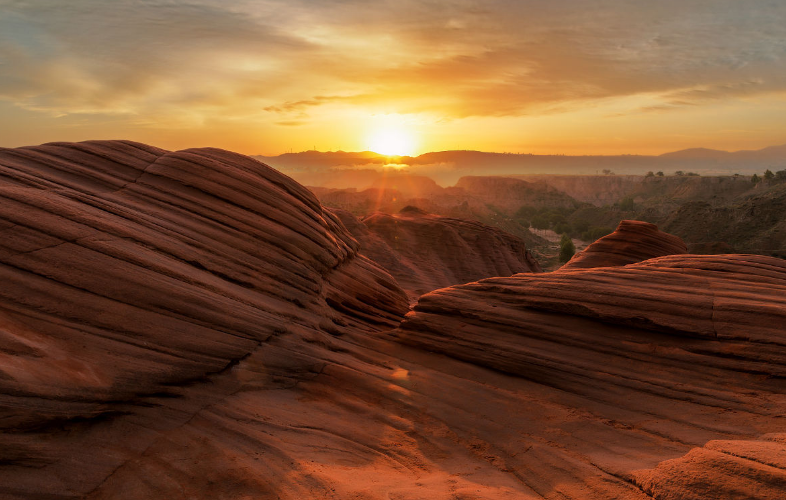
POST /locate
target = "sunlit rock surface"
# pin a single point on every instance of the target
(194, 325)
(661, 378)
(425, 251)
(633, 241)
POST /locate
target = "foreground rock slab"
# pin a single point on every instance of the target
(632, 364)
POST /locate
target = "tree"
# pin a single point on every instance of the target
(540, 222)
(606, 171)
(566, 248)
(627, 204)
(780, 175)
(755, 179)
(659, 174)
(679, 173)
(768, 175)
(580, 226)
(596, 232)
(562, 227)
(650, 174)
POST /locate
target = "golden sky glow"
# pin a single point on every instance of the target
(265, 77)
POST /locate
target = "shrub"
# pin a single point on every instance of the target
(580, 226)
(540, 222)
(526, 212)
(562, 227)
(566, 248)
(596, 232)
(627, 204)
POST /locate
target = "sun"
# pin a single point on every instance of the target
(391, 141)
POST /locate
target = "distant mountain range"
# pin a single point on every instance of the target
(772, 153)
(446, 167)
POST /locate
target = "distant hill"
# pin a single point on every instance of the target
(694, 153)
(446, 167)
(776, 154)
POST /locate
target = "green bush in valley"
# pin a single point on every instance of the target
(627, 204)
(526, 212)
(596, 232)
(540, 222)
(580, 226)
(566, 248)
(562, 227)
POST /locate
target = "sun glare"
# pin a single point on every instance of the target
(391, 142)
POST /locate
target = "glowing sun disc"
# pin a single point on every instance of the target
(391, 142)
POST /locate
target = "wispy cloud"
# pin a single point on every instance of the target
(452, 59)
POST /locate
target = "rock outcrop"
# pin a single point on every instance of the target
(661, 379)
(425, 251)
(194, 325)
(633, 241)
(130, 272)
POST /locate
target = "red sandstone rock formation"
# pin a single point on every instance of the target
(425, 251)
(194, 325)
(663, 379)
(128, 271)
(633, 241)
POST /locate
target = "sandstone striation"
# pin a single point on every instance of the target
(667, 375)
(194, 325)
(425, 251)
(129, 271)
(633, 241)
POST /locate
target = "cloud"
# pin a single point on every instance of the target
(452, 59)
(292, 106)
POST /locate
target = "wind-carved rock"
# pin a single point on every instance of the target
(633, 241)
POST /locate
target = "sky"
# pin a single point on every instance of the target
(268, 77)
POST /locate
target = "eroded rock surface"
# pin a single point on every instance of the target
(425, 251)
(194, 325)
(642, 363)
(130, 273)
(633, 241)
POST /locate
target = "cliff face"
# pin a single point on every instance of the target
(510, 194)
(627, 367)
(425, 252)
(596, 189)
(633, 241)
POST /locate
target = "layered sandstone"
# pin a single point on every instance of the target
(425, 251)
(663, 378)
(130, 273)
(633, 241)
(194, 325)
